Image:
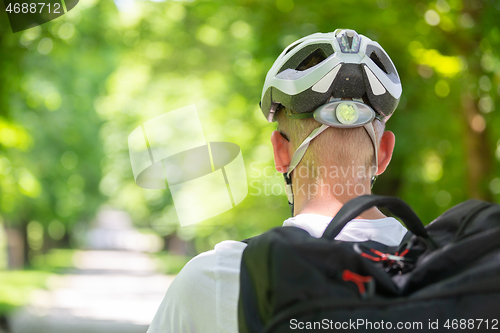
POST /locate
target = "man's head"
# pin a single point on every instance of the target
(331, 95)
(334, 147)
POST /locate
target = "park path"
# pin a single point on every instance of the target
(107, 292)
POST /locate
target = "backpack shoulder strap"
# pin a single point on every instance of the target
(356, 206)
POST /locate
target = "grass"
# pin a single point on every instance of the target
(16, 287)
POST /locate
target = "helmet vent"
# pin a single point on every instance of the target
(312, 60)
(374, 57)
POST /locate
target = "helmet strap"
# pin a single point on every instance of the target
(296, 158)
(301, 150)
(371, 133)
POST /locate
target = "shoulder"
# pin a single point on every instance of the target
(189, 299)
(201, 271)
(190, 304)
(226, 254)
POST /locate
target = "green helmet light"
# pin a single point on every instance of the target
(347, 113)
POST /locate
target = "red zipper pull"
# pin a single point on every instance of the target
(347, 275)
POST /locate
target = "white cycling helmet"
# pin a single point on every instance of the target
(336, 64)
(313, 75)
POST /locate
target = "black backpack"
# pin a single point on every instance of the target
(441, 278)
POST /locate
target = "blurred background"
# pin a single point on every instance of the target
(98, 250)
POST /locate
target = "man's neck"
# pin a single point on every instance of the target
(325, 202)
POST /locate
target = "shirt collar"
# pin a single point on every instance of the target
(387, 230)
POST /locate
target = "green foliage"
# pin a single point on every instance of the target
(50, 151)
(16, 287)
(76, 87)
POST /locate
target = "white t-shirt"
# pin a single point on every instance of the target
(203, 298)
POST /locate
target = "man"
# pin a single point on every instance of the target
(331, 95)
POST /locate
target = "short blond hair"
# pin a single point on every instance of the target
(339, 147)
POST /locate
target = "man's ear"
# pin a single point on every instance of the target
(386, 147)
(281, 152)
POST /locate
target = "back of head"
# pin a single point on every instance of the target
(336, 149)
(340, 84)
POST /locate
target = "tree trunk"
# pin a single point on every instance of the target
(479, 154)
(23, 228)
(15, 249)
